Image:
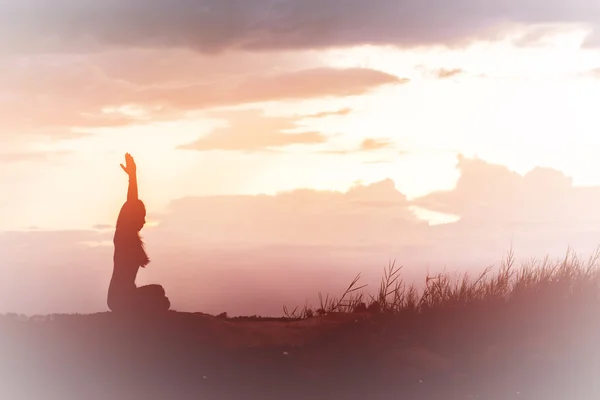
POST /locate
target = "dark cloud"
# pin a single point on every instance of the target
(212, 26)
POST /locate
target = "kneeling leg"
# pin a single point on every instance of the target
(153, 298)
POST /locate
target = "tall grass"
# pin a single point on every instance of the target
(566, 280)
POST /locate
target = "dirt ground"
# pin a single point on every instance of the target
(338, 356)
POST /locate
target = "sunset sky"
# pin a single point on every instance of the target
(284, 141)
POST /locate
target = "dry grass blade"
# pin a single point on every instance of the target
(545, 280)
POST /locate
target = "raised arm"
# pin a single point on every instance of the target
(131, 170)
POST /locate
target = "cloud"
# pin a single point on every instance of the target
(592, 41)
(32, 156)
(325, 114)
(176, 66)
(594, 73)
(252, 131)
(61, 96)
(302, 84)
(103, 227)
(488, 194)
(381, 161)
(449, 73)
(367, 145)
(212, 26)
(542, 34)
(364, 214)
(76, 93)
(58, 267)
(371, 144)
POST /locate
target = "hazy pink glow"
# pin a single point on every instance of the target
(251, 254)
(276, 164)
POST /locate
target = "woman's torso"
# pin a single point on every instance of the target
(126, 264)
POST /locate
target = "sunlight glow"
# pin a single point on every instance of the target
(434, 218)
(510, 102)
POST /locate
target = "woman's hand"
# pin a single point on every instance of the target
(129, 167)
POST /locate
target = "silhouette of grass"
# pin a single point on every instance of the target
(566, 279)
(528, 332)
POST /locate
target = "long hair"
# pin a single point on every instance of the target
(127, 237)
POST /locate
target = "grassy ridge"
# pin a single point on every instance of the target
(528, 332)
(569, 279)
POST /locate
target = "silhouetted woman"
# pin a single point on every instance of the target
(129, 256)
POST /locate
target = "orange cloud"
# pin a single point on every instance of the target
(367, 145)
(77, 93)
(250, 130)
(60, 97)
(371, 144)
(342, 112)
(312, 83)
(448, 73)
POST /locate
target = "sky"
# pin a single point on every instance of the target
(284, 146)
